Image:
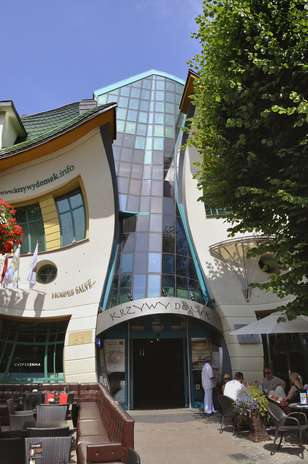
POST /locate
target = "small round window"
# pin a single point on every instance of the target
(46, 273)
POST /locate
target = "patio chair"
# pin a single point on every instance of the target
(48, 432)
(20, 421)
(228, 411)
(55, 450)
(45, 414)
(294, 422)
(133, 457)
(12, 450)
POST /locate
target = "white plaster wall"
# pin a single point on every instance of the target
(223, 284)
(77, 263)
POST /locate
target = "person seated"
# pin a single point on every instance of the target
(271, 382)
(297, 387)
(227, 378)
(236, 390)
(277, 395)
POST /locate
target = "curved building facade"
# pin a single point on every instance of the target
(137, 283)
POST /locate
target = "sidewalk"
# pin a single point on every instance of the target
(184, 436)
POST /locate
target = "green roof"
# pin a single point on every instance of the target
(41, 127)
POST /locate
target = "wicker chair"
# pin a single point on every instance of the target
(295, 422)
(227, 412)
(12, 450)
(47, 413)
(133, 457)
(55, 450)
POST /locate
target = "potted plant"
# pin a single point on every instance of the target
(254, 411)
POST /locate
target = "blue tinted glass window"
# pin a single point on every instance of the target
(159, 106)
(133, 104)
(143, 117)
(121, 113)
(144, 105)
(123, 102)
(30, 218)
(139, 285)
(153, 285)
(159, 118)
(124, 91)
(147, 83)
(142, 239)
(158, 143)
(170, 108)
(140, 266)
(168, 285)
(140, 142)
(168, 264)
(130, 127)
(132, 115)
(158, 131)
(127, 262)
(135, 92)
(156, 222)
(154, 262)
(120, 126)
(145, 204)
(148, 157)
(141, 129)
(71, 217)
(145, 94)
(159, 96)
(155, 242)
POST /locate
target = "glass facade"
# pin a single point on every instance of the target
(30, 218)
(154, 257)
(31, 349)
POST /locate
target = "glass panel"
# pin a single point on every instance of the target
(169, 242)
(145, 94)
(120, 126)
(156, 222)
(144, 105)
(139, 286)
(137, 171)
(125, 91)
(158, 131)
(181, 288)
(148, 157)
(182, 264)
(147, 173)
(123, 102)
(123, 184)
(128, 243)
(135, 92)
(121, 113)
(140, 266)
(157, 188)
(159, 118)
(133, 104)
(138, 156)
(143, 117)
(155, 242)
(140, 142)
(158, 143)
(168, 285)
(132, 203)
(143, 223)
(124, 169)
(146, 187)
(145, 204)
(135, 186)
(159, 107)
(127, 263)
(79, 223)
(168, 264)
(132, 115)
(130, 127)
(122, 202)
(67, 231)
(154, 262)
(141, 241)
(156, 205)
(153, 285)
(141, 129)
(63, 205)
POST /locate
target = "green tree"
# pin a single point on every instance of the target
(250, 127)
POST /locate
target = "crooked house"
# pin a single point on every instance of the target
(137, 281)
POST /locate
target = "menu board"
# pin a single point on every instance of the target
(115, 355)
(201, 349)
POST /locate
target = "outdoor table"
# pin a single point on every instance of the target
(299, 407)
(54, 425)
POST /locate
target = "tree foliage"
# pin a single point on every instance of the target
(10, 232)
(250, 127)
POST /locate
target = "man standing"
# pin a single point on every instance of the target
(208, 384)
(270, 382)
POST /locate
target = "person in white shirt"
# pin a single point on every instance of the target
(208, 384)
(236, 390)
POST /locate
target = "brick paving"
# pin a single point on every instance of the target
(185, 436)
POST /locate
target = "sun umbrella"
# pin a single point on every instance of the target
(271, 325)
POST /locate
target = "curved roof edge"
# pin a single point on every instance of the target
(135, 78)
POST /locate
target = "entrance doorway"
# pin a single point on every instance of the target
(158, 373)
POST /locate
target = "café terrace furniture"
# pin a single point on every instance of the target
(12, 450)
(292, 423)
(51, 431)
(104, 431)
(32, 399)
(47, 413)
(20, 421)
(133, 457)
(228, 411)
(55, 450)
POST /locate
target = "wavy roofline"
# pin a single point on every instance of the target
(137, 77)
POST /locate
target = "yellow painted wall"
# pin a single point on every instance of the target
(51, 222)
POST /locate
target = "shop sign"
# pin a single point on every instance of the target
(80, 338)
(82, 288)
(150, 306)
(37, 184)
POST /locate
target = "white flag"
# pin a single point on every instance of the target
(11, 275)
(32, 273)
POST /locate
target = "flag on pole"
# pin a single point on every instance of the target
(11, 276)
(32, 273)
(4, 269)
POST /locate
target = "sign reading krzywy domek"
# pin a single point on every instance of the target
(163, 305)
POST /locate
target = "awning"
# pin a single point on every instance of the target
(272, 325)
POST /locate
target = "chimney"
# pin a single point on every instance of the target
(86, 105)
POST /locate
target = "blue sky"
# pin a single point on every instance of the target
(59, 51)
